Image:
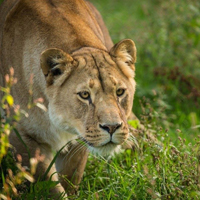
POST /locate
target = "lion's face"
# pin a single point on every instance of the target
(90, 95)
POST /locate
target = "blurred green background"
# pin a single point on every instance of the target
(167, 37)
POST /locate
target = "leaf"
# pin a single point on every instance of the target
(10, 99)
(134, 123)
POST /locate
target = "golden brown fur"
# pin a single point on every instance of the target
(66, 46)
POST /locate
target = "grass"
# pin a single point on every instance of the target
(167, 101)
(156, 173)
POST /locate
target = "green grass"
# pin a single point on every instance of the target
(156, 173)
(167, 101)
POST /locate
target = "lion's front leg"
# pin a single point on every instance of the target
(71, 166)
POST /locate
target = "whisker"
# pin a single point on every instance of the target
(71, 148)
(133, 139)
(79, 147)
(128, 144)
(77, 150)
(84, 140)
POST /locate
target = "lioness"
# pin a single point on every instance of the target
(87, 83)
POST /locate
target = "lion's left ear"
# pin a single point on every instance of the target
(124, 54)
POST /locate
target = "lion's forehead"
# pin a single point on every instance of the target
(99, 70)
(101, 78)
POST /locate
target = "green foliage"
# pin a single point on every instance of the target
(12, 174)
(134, 123)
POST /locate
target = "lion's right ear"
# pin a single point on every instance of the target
(53, 63)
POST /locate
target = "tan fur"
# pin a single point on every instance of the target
(66, 46)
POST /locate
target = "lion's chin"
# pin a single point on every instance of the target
(105, 150)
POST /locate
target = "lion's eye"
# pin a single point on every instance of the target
(120, 92)
(84, 95)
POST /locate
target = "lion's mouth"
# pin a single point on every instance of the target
(106, 149)
(108, 143)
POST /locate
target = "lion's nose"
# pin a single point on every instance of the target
(110, 128)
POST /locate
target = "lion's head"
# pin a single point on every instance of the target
(90, 93)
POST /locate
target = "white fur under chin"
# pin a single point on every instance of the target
(107, 150)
